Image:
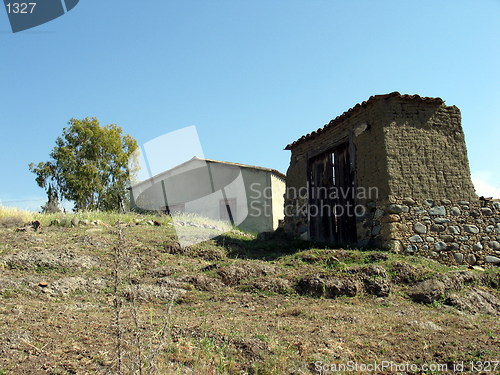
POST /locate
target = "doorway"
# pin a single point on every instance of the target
(332, 197)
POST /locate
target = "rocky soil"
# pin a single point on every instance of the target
(75, 299)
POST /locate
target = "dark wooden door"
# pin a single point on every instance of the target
(345, 219)
(321, 219)
(331, 197)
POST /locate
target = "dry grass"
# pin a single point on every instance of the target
(13, 217)
(227, 319)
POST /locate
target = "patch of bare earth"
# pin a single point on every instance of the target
(193, 312)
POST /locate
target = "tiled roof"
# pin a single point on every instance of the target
(360, 106)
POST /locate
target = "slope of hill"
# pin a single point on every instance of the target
(93, 297)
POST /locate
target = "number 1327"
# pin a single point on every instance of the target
(20, 8)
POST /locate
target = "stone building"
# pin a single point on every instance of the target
(391, 172)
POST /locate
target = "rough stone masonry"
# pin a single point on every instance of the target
(404, 159)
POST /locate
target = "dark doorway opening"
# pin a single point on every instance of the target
(332, 197)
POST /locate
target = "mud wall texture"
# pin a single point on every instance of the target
(426, 152)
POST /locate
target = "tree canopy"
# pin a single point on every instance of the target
(89, 165)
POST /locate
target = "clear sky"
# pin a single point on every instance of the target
(252, 76)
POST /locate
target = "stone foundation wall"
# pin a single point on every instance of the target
(453, 232)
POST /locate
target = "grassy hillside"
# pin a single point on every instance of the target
(90, 296)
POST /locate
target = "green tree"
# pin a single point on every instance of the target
(52, 204)
(89, 165)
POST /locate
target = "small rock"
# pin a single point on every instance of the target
(429, 239)
(471, 228)
(495, 245)
(437, 228)
(428, 202)
(419, 228)
(477, 246)
(445, 201)
(471, 259)
(415, 238)
(486, 211)
(43, 284)
(475, 213)
(440, 246)
(441, 220)
(453, 229)
(491, 259)
(459, 258)
(455, 211)
(75, 221)
(419, 210)
(447, 237)
(437, 211)
(411, 249)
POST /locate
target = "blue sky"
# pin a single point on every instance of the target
(251, 75)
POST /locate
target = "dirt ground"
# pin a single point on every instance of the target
(78, 300)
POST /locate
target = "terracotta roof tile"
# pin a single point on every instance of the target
(358, 107)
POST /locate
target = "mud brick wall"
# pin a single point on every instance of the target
(454, 232)
(405, 146)
(426, 152)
